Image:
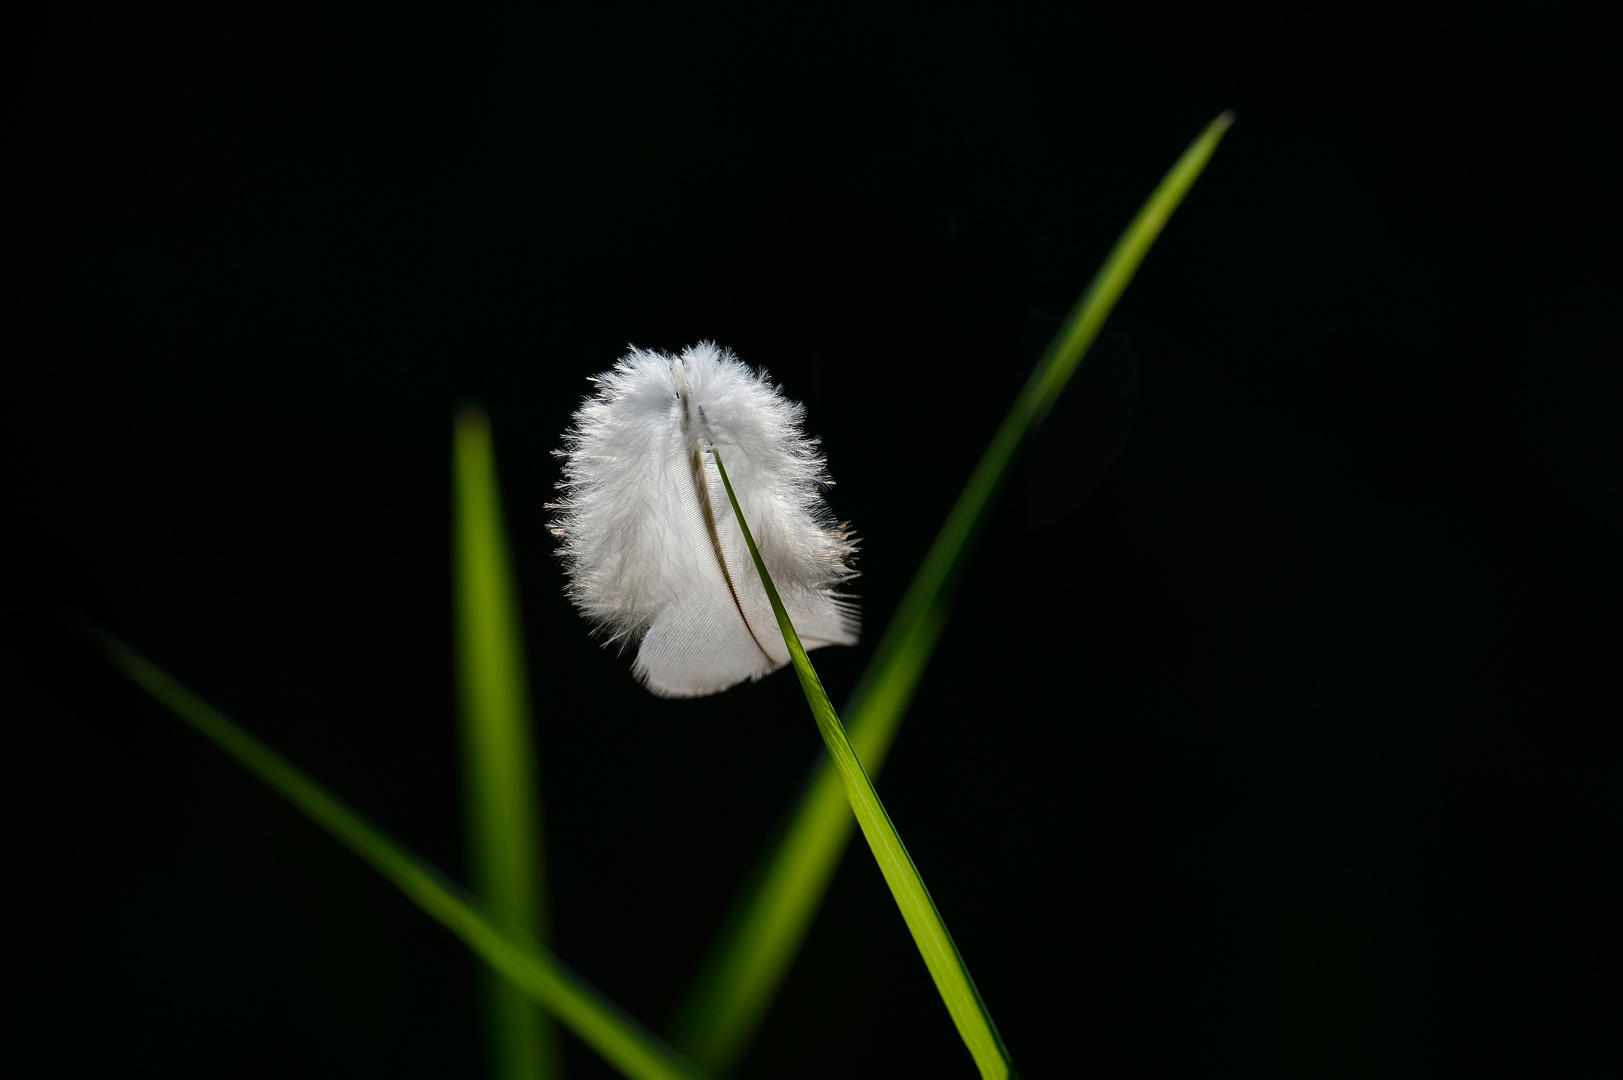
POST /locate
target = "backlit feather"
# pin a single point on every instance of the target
(653, 552)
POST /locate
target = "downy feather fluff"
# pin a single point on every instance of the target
(649, 541)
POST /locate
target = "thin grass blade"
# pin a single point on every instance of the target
(941, 956)
(502, 814)
(752, 954)
(620, 1040)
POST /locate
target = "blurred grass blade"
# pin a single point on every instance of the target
(752, 954)
(929, 932)
(622, 1042)
(502, 815)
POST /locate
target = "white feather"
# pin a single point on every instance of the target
(649, 540)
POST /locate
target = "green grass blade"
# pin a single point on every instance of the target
(501, 806)
(622, 1042)
(755, 948)
(941, 957)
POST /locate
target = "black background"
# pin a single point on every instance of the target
(1266, 736)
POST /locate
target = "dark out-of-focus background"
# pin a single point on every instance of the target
(1267, 735)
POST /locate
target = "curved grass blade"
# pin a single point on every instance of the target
(622, 1042)
(941, 956)
(753, 952)
(499, 786)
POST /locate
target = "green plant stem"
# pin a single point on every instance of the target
(622, 1042)
(752, 954)
(941, 956)
(500, 787)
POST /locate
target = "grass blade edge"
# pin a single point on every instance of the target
(753, 951)
(617, 1037)
(946, 965)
